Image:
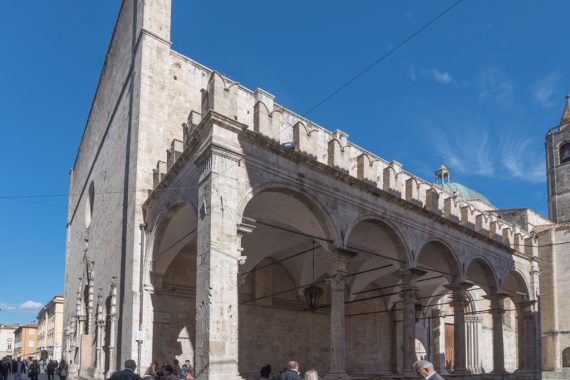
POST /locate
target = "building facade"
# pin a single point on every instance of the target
(26, 341)
(554, 253)
(7, 340)
(244, 234)
(50, 328)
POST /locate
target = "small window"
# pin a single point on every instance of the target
(31, 343)
(9, 346)
(89, 205)
(565, 152)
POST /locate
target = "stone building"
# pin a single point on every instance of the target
(7, 340)
(554, 253)
(50, 328)
(214, 225)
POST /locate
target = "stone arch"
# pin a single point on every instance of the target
(566, 357)
(481, 272)
(380, 251)
(394, 233)
(514, 283)
(327, 223)
(170, 280)
(159, 233)
(447, 257)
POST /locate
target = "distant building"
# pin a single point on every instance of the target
(50, 327)
(7, 339)
(26, 340)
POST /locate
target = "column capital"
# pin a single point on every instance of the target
(409, 275)
(336, 280)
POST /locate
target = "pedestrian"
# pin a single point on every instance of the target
(311, 375)
(177, 369)
(292, 372)
(18, 369)
(152, 372)
(187, 369)
(128, 373)
(62, 369)
(425, 369)
(168, 373)
(4, 368)
(34, 370)
(265, 372)
(50, 370)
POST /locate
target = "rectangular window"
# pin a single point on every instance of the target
(9, 346)
(32, 332)
(30, 343)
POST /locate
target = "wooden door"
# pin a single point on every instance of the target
(449, 347)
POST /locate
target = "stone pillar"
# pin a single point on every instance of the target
(72, 347)
(459, 302)
(218, 265)
(409, 294)
(111, 350)
(498, 311)
(438, 350)
(409, 298)
(100, 321)
(336, 281)
(80, 313)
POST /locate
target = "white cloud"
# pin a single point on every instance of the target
(494, 86)
(31, 306)
(544, 88)
(466, 152)
(7, 307)
(441, 77)
(522, 162)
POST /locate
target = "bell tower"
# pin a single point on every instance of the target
(558, 168)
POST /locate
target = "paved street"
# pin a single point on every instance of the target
(42, 376)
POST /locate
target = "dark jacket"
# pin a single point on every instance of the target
(290, 375)
(125, 374)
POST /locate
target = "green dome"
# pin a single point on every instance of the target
(466, 193)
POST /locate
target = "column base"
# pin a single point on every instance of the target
(337, 376)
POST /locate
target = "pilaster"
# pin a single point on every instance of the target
(337, 281)
(459, 301)
(218, 265)
(497, 312)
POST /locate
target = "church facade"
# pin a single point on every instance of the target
(216, 226)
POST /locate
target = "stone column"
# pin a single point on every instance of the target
(111, 350)
(218, 265)
(336, 281)
(72, 346)
(80, 313)
(409, 294)
(498, 311)
(438, 333)
(100, 321)
(459, 301)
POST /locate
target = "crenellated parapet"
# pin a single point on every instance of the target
(259, 113)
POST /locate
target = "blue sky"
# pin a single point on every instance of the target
(482, 86)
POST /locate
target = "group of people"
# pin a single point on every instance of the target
(166, 371)
(19, 368)
(291, 372)
(175, 371)
(423, 368)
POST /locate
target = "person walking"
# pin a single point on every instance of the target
(128, 373)
(19, 369)
(292, 372)
(4, 369)
(265, 372)
(425, 369)
(50, 370)
(187, 370)
(311, 375)
(34, 370)
(62, 369)
(152, 372)
(168, 373)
